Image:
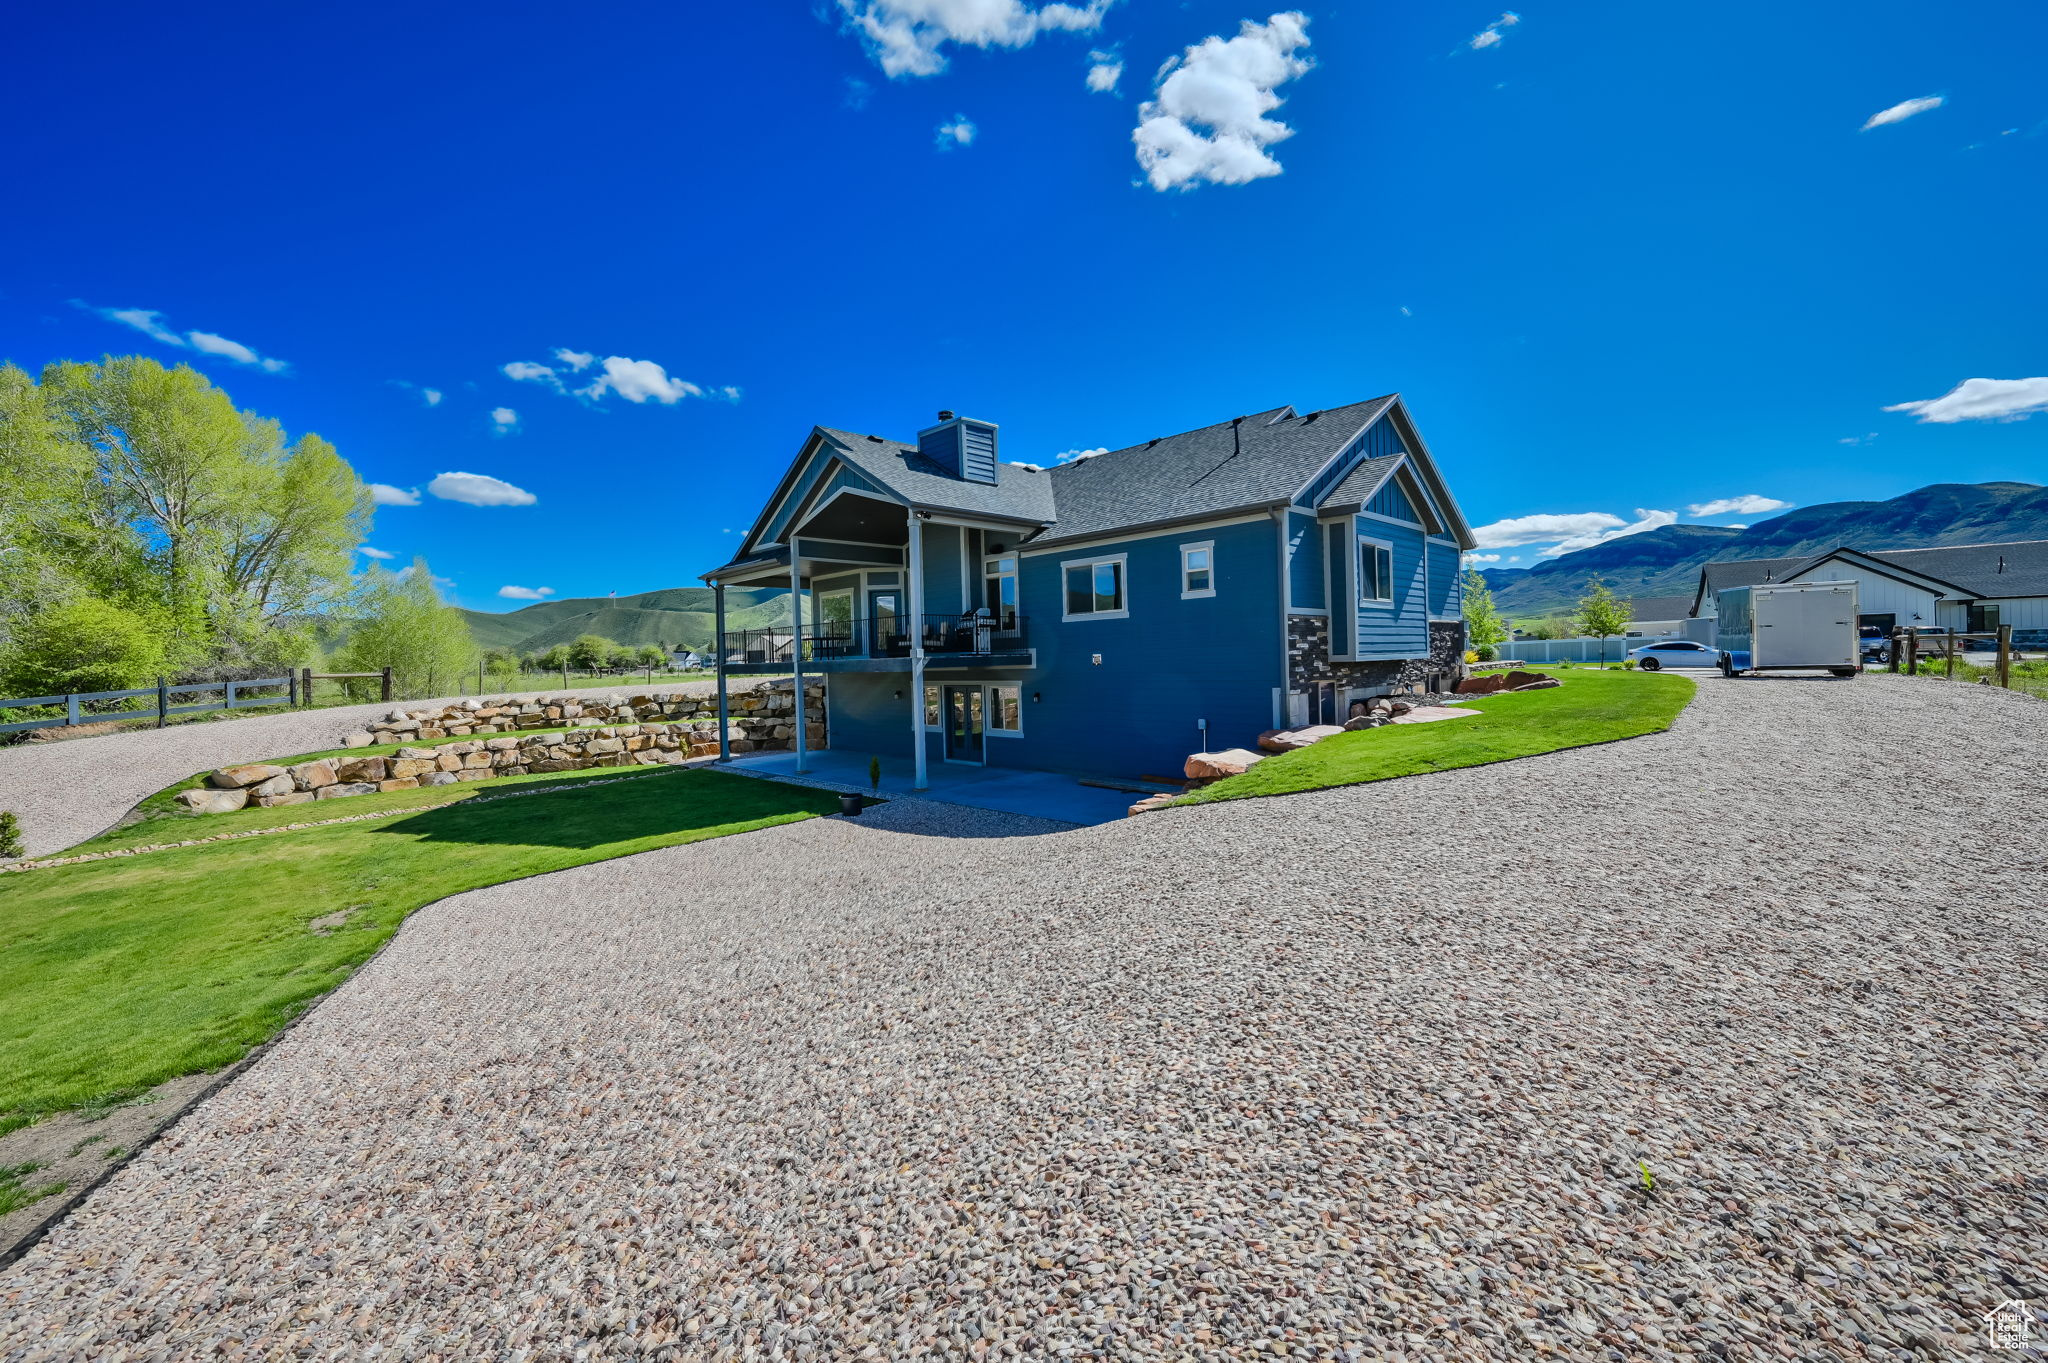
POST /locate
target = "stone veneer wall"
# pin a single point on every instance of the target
(677, 728)
(1308, 659)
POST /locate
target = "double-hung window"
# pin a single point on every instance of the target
(1095, 589)
(1198, 569)
(1375, 572)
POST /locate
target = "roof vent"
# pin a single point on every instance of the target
(945, 415)
(876, 438)
(963, 447)
(2001, 563)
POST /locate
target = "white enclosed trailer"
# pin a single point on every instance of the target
(1785, 625)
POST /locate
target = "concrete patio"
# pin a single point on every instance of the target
(1042, 795)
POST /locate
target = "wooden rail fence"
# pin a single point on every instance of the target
(161, 698)
(1907, 644)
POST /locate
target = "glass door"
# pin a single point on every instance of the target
(885, 626)
(963, 723)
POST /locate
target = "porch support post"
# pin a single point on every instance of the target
(718, 643)
(796, 650)
(915, 599)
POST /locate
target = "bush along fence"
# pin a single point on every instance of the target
(161, 702)
(647, 730)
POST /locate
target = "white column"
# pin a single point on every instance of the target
(914, 599)
(796, 650)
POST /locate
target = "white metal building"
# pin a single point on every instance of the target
(1965, 587)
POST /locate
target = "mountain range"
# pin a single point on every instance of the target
(1666, 561)
(682, 617)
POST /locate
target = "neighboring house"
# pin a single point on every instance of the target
(1651, 616)
(1969, 588)
(1114, 614)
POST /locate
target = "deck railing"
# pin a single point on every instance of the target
(878, 636)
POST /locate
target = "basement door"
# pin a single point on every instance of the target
(963, 723)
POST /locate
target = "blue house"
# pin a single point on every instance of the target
(1111, 615)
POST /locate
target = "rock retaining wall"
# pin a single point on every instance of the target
(679, 727)
(763, 717)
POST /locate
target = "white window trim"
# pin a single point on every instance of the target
(988, 707)
(1186, 594)
(1123, 575)
(1358, 573)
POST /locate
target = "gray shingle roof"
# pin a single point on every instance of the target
(1976, 567)
(1254, 461)
(1019, 494)
(1359, 484)
(1661, 607)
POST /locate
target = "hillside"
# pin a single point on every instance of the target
(672, 615)
(1666, 561)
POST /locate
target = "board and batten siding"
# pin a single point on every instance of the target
(1306, 590)
(1446, 582)
(1399, 629)
(1877, 594)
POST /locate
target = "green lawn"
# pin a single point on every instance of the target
(1591, 706)
(118, 975)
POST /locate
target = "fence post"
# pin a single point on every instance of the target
(163, 702)
(71, 708)
(306, 687)
(1913, 653)
(565, 676)
(291, 688)
(227, 700)
(2005, 656)
(387, 685)
(1949, 657)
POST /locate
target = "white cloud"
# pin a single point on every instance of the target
(1982, 400)
(432, 396)
(1568, 531)
(1857, 439)
(1226, 86)
(1645, 520)
(578, 360)
(1406, 313)
(1104, 71)
(504, 421)
(374, 553)
(1902, 111)
(1482, 558)
(526, 593)
(958, 133)
(383, 494)
(858, 93)
(149, 322)
(1542, 529)
(143, 320)
(905, 37)
(639, 380)
(526, 371)
(479, 489)
(1748, 504)
(1075, 456)
(206, 343)
(1490, 36)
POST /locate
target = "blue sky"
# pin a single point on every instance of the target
(1622, 260)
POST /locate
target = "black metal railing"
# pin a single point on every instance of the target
(885, 635)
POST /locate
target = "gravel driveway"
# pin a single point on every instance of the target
(68, 790)
(1363, 1073)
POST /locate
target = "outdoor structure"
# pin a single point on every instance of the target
(1972, 588)
(1657, 616)
(1111, 615)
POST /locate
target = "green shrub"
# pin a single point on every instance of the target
(10, 836)
(84, 645)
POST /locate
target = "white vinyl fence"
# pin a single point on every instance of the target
(1577, 650)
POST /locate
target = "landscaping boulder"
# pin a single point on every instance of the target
(358, 739)
(313, 775)
(1492, 683)
(399, 783)
(1287, 740)
(213, 801)
(1150, 803)
(280, 784)
(404, 768)
(1370, 720)
(235, 778)
(437, 778)
(295, 797)
(343, 789)
(362, 770)
(1213, 766)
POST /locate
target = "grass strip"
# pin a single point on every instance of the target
(118, 975)
(1591, 706)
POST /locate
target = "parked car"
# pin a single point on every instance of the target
(1873, 644)
(1674, 653)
